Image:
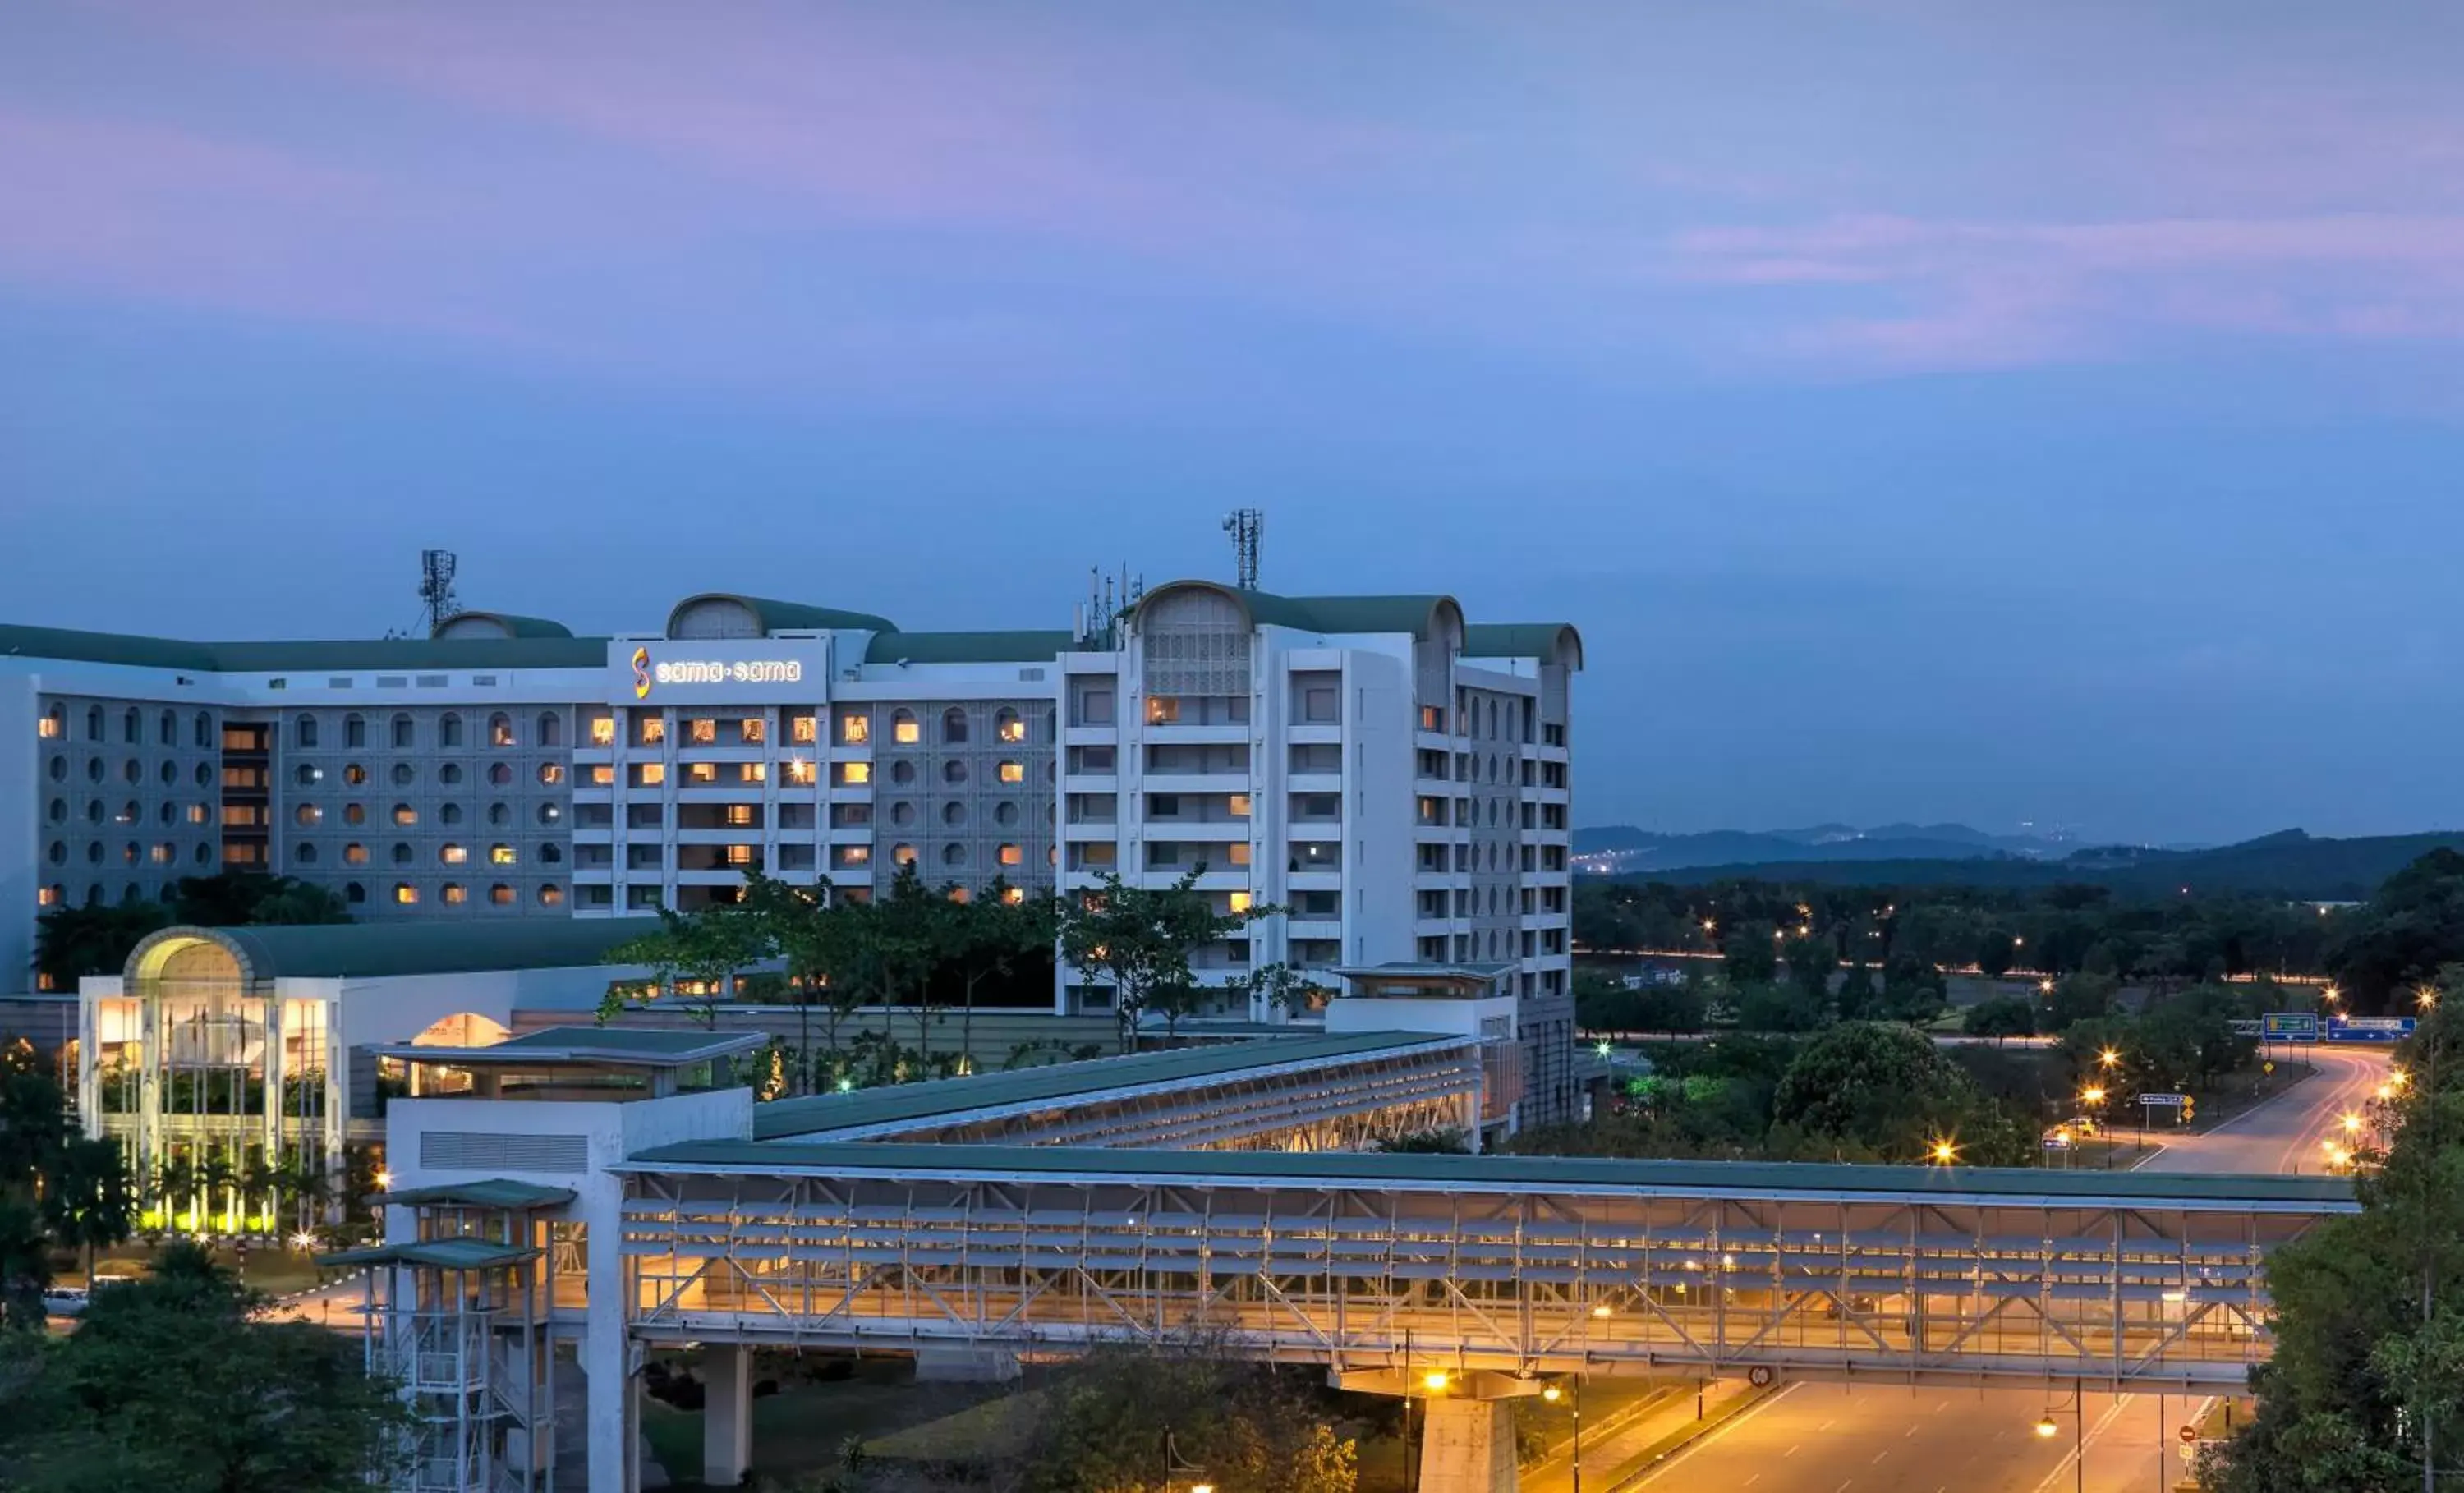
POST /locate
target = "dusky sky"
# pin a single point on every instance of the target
(1926, 408)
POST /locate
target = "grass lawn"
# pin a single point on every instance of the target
(801, 1427)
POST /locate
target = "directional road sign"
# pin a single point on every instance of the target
(2289, 1026)
(2370, 1029)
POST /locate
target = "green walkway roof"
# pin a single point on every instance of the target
(443, 1254)
(1543, 1175)
(408, 654)
(1061, 1083)
(495, 1191)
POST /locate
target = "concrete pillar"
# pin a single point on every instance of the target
(726, 1414)
(1467, 1447)
(609, 1361)
(965, 1365)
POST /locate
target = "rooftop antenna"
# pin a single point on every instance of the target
(1247, 527)
(436, 600)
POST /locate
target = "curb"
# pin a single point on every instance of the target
(1659, 1452)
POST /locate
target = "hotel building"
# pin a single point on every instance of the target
(1394, 780)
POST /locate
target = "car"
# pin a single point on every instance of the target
(64, 1301)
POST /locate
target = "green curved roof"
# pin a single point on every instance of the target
(968, 647)
(1538, 640)
(788, 616)
(360, 950)
(1329, 614)
(408, 654)
(515, 627)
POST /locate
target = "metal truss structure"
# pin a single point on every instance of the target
(1464, 1263)
(1323, 1107)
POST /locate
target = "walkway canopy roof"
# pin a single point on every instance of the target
(369, 950)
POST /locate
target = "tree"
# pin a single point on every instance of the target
(70, 943)
(1858, 998)
(300, 902)
(1139, 938)
(1674, 1009)
(2076, 999)
(89, 1201)
(1811, 962)
(1995, 953)
(1887, 1088)
(816, 935)
(1102, 1425)
(2003, 1015)
(173, 1384)
(1748, 954)
(2410, 929)
(1295, 991)
(989, 937)
(705, 948)
(1779, 1008)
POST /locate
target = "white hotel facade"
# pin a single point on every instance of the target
(1396, 779)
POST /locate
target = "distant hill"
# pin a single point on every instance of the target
(2290, 863)
(1626, 850)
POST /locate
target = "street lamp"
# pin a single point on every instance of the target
(2426, 998)
(1944, 1153)
(1553, 1394)
(2109, 1058)
(2352, 1124)
(2047, 1429)
(1173, 1465)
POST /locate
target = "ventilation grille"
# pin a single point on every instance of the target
(483, 1151)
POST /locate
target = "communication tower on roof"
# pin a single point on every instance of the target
(436, 600)
(1247, 527)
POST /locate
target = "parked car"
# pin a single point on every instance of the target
(64, 1301)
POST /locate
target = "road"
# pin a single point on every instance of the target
(1813, 1438)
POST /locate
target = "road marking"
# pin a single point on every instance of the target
(1878, 1457)
(2084, 1441)
(1826, 1425)
(1756, 1477)
(1791, 1452)
(1843, 1486)
(1716, 1432)
(2160, 1149)
(1912, 1430)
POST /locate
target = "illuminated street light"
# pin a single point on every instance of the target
(1944, 1153)
(383, 1180)
(2399, 1078)
(1552, 1393)
(1435, 1382)
(2045, 1426)
(2426, 998)
(1602, 1049)
(1601, 1310)
(2045, 987)
(2352, 1123)
(2092, 1095)
(2109, 1058)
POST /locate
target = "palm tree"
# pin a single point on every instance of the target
(175, 1181)
(216, 1176)
(267, 1179)
(90, 1202)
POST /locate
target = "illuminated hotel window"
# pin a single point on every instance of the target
(737, 815)
(1007, 726)
(603, 731)
(855, 855)
(1014, 895)
(53, 725)
(855, 729)
(701, 772)
(550, 773)
(654, 730)
(752, 771)
(453, 893)
(354, 854)
(163, 852)
(902, 855)
(1237, 852)
(799, 771)
(551, 895)
(802, 729)
(603, 775)
(500, 730)
(405, 814)
(701, 731)
(1240, 902)
(501, 855)
(1162, 709)
(903, 728)
(740, 855)
(352, 813)
(502, 894)
(50, 896)
(1010, 855)
(453, 854)
(1013, 772)
(854, 774)
(197, 813)
(355, 775)
(405, 892)
(753, 730)
(649, 775)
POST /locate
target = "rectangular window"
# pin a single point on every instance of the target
(740, 855)
(1092, 760)
(701, 731)
(1163, 805)
(1237, 852)
(1095, 708)
(854, 775)
(1433, 717)
(1236, 804)
(603, 732)
(699, 773)
(1013, 772)
(454, 855)
(752, 771)
(736, 816)
(1162, 709)
(1011, 729)
(907, 731)
(48, 727)
(649, 775)
(602, 775)
(1012, 855)
(1318, 707)
(851, 855)
(651, 730)
(753, 730)
(801, 772)
(855, 728)
(1240, 902)
(406, 894)
(802, 731)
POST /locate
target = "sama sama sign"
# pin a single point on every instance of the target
(649, 674)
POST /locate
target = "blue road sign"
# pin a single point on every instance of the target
(2162, 1101)
(2370, 1029)
(2289, 1026)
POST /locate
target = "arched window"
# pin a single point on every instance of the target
(204, 775)
(449, 812)
(94, 770)
(405, 734)
(59, 769)
(167, 731)
(448, 730)
(355, 731)
(168, 813)
(902, 813)
(954, 854)
(132, 771)
(55, 723)
(502, 894)
(500, 774)
(404, 893)
(500, 730)
(354, 854)
(902, 771)
(307, 775)
(205, 730)
(551, 895)
(94, 811)
(205, 855)
(93, 723)
(353, 892)
(171, 774)
(1008, 726)
(954, 725)
(128, 853)
(551, 729)
(449, 773)
(401, 853)
(94, 852)
(303, 732)
(1006, 812)
(902, 855)
(405, 814)
(954, 771)
(953, 813)
(303, 854)
(132, 728)
(453, 892)
(354, 774)
(551, 854)
(130, 813)
(59, 811)
(58, 853)
(307, 814)
(903, 728)
(500, 814)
